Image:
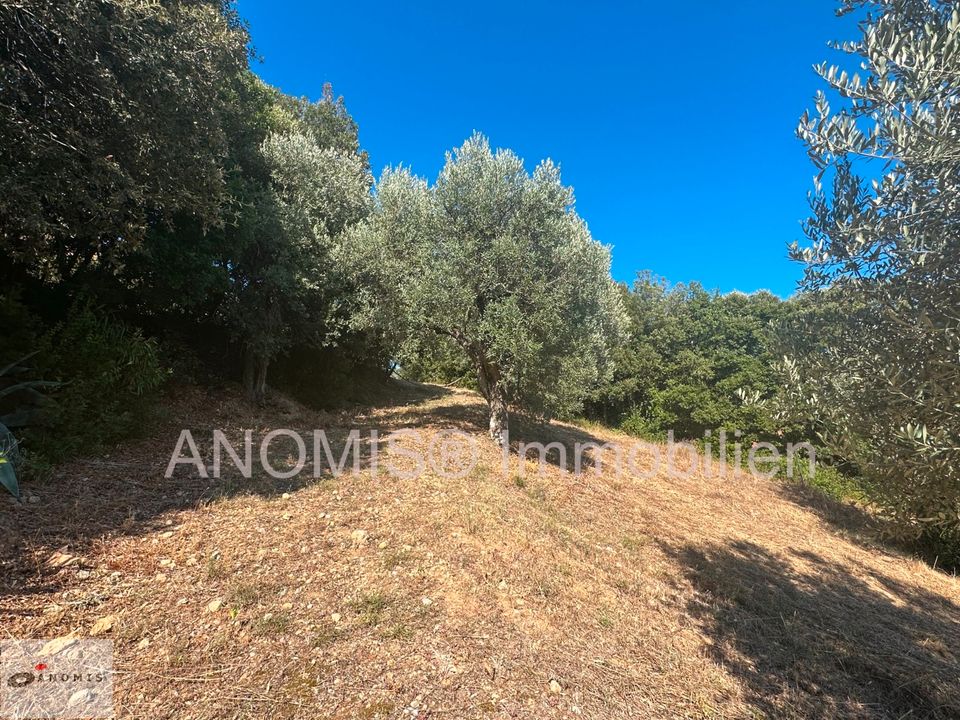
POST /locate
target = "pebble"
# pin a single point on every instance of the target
(103, 625)
(214, 605)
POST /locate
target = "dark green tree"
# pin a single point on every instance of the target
(111, 121)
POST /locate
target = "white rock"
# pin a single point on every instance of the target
(81, 697)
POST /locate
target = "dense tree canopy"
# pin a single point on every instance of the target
(111, 120)
(695, 361)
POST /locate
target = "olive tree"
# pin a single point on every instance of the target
(885, 239)
(497, 261)
(284, 285)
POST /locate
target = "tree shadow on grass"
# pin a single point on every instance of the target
(525, 433)
(125, 491)
(806, 639)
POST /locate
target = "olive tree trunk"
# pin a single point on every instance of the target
(491, 385)
(255, 375)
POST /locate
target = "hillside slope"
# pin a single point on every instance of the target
(496, 595)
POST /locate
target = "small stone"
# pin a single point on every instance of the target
(427, 602)
(502, 585)
(285, 496)
(287, 516)
(335, 617)
(143, 644)
(214, 605)
(288, 606)
(555, 686)
(360, 537)
(103, 625)
(167, 535)
(33, 499)
(83, 574)
(81, 697)
(61, 559)
(57, 645)
(383, 545)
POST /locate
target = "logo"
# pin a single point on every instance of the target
(60, 678)
(19, 680)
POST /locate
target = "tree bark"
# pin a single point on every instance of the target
(488, 377)
(255, 375)
(499, 418)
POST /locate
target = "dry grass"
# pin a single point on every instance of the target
(691, 597)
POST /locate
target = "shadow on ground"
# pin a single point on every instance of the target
(125, 491)
(806, 639)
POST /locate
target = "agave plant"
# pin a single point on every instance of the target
(9, 460)
(10, 386)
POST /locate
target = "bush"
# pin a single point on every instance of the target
(109, 374)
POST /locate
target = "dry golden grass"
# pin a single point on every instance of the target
(704, 596)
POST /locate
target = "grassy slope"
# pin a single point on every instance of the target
(668, 597)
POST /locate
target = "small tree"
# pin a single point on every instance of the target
(497, 261)
(285, 285)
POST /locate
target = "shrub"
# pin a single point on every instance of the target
(109, 374)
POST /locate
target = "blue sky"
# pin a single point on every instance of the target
(673, 121)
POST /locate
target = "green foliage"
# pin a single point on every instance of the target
(111, 120)
(878, 368)
(108, 376)
(495, 261)
(695, 361)
(296, 198)
(438, 360)
(9, 459)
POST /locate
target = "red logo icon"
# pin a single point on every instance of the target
(40, 667)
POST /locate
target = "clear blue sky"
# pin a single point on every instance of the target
(673, 121)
